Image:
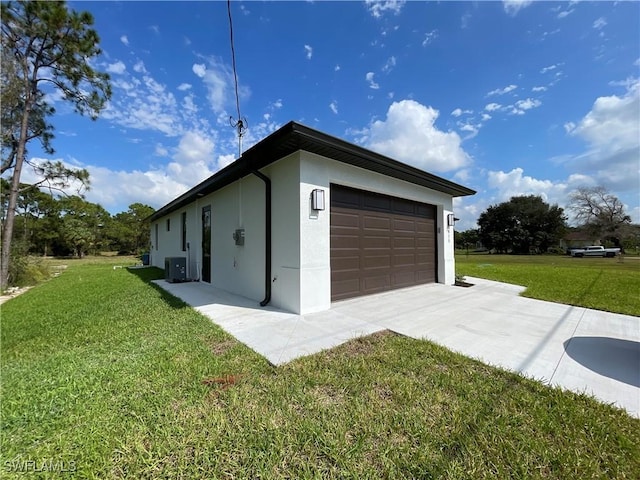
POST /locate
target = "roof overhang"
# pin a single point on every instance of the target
(293, 137)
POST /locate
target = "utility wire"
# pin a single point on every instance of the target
(241, 123)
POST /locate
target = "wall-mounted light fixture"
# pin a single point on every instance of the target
(451, 220)
(317, 199)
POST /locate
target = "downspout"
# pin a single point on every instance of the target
(267, 240)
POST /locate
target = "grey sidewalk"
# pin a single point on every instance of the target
(576, 348)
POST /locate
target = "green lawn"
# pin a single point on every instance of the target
(601, 283)
(106, 375)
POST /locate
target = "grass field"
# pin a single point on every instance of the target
(106, 376)
(601, 283)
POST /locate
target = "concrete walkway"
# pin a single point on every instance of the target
(576, 348)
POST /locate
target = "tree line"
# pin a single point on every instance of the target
(71, 226)
(527, 224)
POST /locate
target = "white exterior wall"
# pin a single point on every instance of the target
(238, 268)
(169, 243)
(285, 232)
(235, 268)
(300, 263)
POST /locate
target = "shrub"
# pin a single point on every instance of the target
(26, 270)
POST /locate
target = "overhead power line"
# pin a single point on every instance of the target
(239, 123)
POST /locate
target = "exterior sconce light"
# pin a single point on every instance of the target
(451, 220)
(317, 199)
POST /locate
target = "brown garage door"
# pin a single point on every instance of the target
(379, 242)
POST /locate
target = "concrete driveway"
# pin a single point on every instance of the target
(576, 348)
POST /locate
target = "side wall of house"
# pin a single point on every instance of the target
(240, 268)
(166, 239)
(315, 267)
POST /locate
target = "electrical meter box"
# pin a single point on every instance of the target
(175, 269)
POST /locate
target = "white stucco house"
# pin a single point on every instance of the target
(303, 219)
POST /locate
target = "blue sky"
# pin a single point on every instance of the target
(507, 98)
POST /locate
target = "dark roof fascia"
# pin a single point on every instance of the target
(293, 137)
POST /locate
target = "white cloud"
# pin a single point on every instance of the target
(492, 107)
(224, 160)
(139, 67)
(189, 107)
(469, 127)
(600, 23)
(161, 150)
(521, 106)
(612, 131)
(308, 51)
(539, 89)
(379, 7)
(548, 69)
(124, 40)
(464, 20)
(118, 68)
(334, 107)
(144, 104)
(458, 111)
(336, 68)
(613, 119)
(569, 127)
(391, 62)
(637, 62)
(565, 13)
(429, 37)
(369, 78)
(219, 82)
(502, 91)
(512, 7)
(515, 183)
(184, 87)
(199, 69)
(276, 105)
(409, 134)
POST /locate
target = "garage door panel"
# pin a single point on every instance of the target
(339, 242)
(407, 260)
(376, 202)
(424, 227)
(347, 262)
(344, 219)
(404, 226)
(379, 243)
(345, 288)
(376, 261)
(371, 241)
(376, 283)
(371, 222)
(405, 242)
(425, 276)
(404, 279)
(426, 211)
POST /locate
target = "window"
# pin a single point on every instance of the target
(168, 224)
(156, 239)
(184, 231)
